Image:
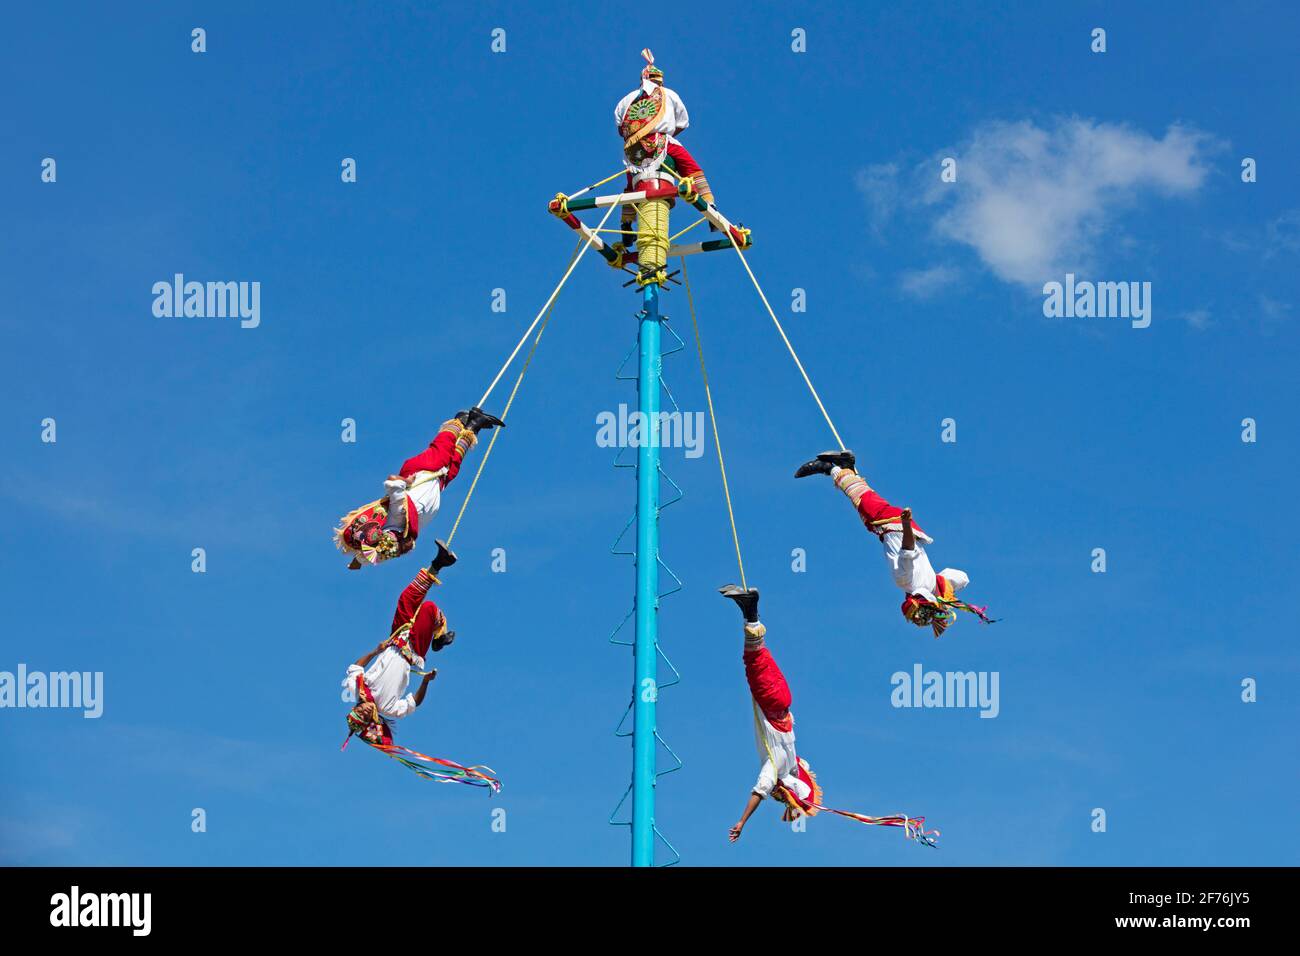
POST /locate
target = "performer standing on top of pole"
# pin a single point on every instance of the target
(649, 119)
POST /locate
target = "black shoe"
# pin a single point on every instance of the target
(843, 458)
(747, 601)
(823, 463)
(462, 417)
(440, 642)
(479, 419)
(444, 559)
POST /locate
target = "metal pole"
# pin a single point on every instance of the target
(646, 689)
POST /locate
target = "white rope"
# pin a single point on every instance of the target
(817, 398)
(524, 338)
(587, 189)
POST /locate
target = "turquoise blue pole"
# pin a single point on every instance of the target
(646, 690)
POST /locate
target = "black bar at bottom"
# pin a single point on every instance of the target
(303, 905)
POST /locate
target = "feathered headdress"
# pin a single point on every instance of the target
(651, 72)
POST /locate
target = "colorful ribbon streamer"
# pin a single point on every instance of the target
(914, 826)
(452, 772)
(979, 612)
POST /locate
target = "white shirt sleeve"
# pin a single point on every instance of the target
(911, 569)
(914, 573)
(401, 707)
(958, 579)
(683, 118)
(892, 542)
(906, 568)
(350, 682)
(395, 491)
(621, 109)
(766, 780)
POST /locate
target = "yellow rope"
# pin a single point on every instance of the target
(726, 490)
(652, 234)
(688, 228)
(665, 169)
(786, 339)
(506, 411)
(717, 442)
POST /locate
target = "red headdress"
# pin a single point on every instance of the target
(940, 613)
(794, 806)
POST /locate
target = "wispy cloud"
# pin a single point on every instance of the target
(1273, 313)
(879, 185)
(217, 761)
(1279, 236)
(28, 840)
(1034, 202)
(927, 283)
(1283, 233)
(129, 516)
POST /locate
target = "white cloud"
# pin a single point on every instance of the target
(1198, 319)
(927, 283)
(879, 186)
(1283, 233)
(31, 840)
(1273, 314)
(1034, 202)
(1278, 236)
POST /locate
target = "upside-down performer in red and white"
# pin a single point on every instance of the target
(388, 527)
(649, 119)
(381, 677)
(379, 681)
(785, 775)
(931, 597)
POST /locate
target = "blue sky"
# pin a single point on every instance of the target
(1119, 690)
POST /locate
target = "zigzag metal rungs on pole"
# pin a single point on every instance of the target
(653, 195)
(652, 832)
(653, 188)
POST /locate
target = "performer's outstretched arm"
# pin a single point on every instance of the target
(424, 686)
(909, 536)
(364, 660)
(750, 807)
